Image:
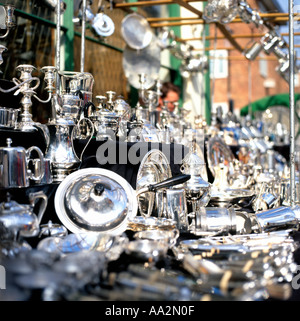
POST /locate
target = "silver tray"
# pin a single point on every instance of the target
(81, 207)
(136, 31)
(145, 61)
(154, 168)
(218, 152)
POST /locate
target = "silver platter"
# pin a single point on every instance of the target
(136, 31)
(95, 200)
(154, 168)
(145, 61)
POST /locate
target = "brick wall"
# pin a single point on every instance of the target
(237, 85)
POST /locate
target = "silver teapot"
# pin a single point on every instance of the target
(122, 108)
(106, 122)
(19, 220)
(14, 166)
(196, 188)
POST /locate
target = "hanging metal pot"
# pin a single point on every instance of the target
(136, 31)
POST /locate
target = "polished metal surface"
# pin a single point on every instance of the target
(154, 168)
(103, 25)
(292, 101)
(95, 200)
(218, 152)
(144, 61)
(215, 219)
(136, 31)
(223, 11)
(60, 150)
(170, 237)
(176, 207)
(274, 219)
(14, 169)
(19, 219)
(8, 117)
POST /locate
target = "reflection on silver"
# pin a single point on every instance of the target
(223, 11)
(95, 200)
(275, 219)
(144, 61)
(14, 169)
(19, 220)
(218, 152)
(147, 249)
(154, 168)
(176, 208)
(60, 150)
(136, 31)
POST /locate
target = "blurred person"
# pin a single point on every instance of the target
(170, 93)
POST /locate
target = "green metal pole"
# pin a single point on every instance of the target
(176, 78)
(69, 35)
(207, 79)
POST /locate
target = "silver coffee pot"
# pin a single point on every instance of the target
(60, 150)
(14, 166)
(19, 220)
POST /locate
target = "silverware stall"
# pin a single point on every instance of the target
(109, 194)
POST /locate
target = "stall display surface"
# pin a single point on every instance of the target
(107, 203)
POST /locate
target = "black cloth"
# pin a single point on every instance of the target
(124, 158)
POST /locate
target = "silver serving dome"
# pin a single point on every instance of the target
(95, 200)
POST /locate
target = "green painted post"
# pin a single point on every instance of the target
(176, 78)
(69, 35)
(207, 81)
(207, 77)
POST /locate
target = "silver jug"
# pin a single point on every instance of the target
(60, 150)
(14, 170)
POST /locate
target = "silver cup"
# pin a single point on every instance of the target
(176, 207)
(47, 177)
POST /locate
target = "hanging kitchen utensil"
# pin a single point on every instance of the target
(145, 61)
(103, 25)
(136, 31)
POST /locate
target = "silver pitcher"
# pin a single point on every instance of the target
(14, 169)
(60, 150)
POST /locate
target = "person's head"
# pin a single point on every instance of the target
(170, 93)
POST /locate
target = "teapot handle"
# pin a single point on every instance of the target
(39, 195)
(42, 168)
